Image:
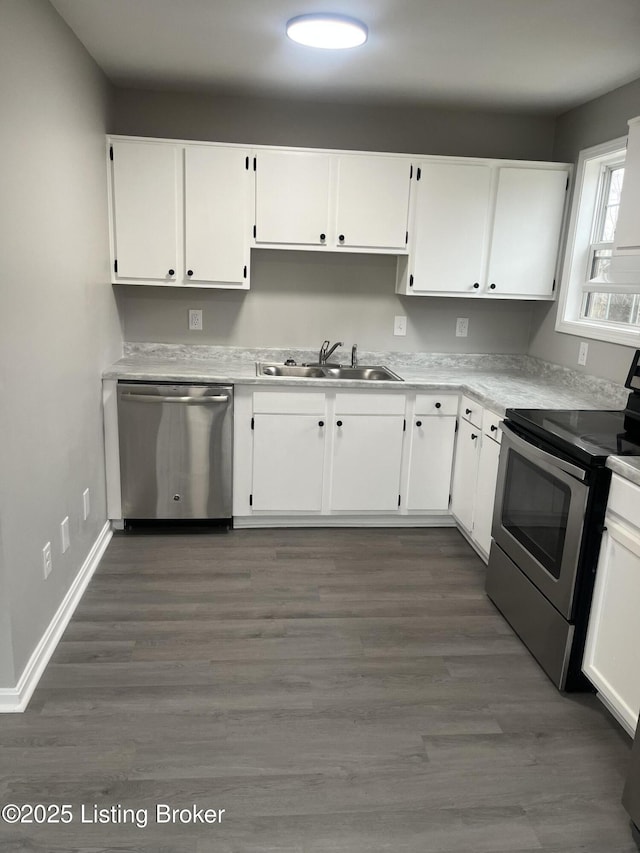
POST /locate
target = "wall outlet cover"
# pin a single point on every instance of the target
(47, 562)
(583, 352)
(86, 505)
(462, 327)
(399, 325)
(64, 534)
(195, 319)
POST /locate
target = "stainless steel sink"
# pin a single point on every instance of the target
(373, 373)
(289, 370)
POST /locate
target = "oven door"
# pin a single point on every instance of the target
(539, 516)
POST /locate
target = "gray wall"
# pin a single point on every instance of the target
(58, 322)
(598, 121)
(299, 299)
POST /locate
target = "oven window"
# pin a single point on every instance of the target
(535, 510)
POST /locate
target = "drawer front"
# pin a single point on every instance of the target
(370, 403)
(436, 404)
(289, 402)
(471, 411)
(491, 425)
(624, 500)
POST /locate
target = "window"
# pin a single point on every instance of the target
(590, 306)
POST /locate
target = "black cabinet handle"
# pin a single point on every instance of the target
(341, 238)
(189, 272)
(467, 411)
(172, 272)
(438, 405)
(323, 236)
(473, 436)
(339, 423)
(418, 423)
(477, 285)
(493, 427)
(492, 287)
(320, 423)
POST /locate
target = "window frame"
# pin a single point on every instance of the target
(587, 199)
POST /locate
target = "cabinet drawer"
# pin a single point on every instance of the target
(370, 403)
(624, 500)
(289, 402)
(436, 404)
(491, 425)
(471, 411)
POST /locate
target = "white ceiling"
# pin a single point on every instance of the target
(531, 55)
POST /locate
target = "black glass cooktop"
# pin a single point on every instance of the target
(589, 435)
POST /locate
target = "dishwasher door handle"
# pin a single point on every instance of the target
(155, 398)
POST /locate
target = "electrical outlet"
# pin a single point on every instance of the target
(64, 533)
(47, 562)
(400, 325)
(462, 327)
(195, 319)
(86, 505)
(583, 352)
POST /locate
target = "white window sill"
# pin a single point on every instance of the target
(599, 332)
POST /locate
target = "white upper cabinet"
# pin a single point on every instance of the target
(181, 214)
(373, 201)
(452, 212)
(217, 222)
(482, 228)
(526, 231)
(327, 201)
(292, 198)
(627, 237)
(144, 189)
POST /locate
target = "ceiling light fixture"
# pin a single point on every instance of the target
(332, 32)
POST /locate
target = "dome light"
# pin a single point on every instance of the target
(331, 32)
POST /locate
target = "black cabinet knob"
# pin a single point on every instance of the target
(189, 272)
(339, 423)
(172, 272)
(492, 287)
(418, 423)
(320, 423)
(438, 405)
(493, 427)
(476, 285)
(473, 436)
(341, 238)
(467, 411)
(323, 236)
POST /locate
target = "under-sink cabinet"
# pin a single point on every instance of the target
(342, 457)
(180, 213)
(483, 228)
(475, 473)
(613, 635)
(332, 201)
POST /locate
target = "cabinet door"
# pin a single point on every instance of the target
(450, 228)
(366, 462)
(432, 445)
(144, 218)
(288, 462)
(465, 474)
(292, 197)
(373, 201)
(627, 237)
(526, 231)
(485, 492)
(613, 636)
(216, 214)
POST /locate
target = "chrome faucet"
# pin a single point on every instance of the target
(325, 352)
(354, 355)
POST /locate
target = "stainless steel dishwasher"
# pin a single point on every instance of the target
(176, 445)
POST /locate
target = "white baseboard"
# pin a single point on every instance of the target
(261, 521)
(16, 699)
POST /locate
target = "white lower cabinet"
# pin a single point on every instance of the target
(475, 473)
(301, 455)
(613, 635)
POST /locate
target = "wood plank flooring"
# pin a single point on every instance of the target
(332, 690)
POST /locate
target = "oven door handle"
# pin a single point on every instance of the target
(535, 453)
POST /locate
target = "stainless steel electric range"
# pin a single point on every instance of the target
(548, 519)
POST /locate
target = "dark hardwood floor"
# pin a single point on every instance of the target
(332, 690)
